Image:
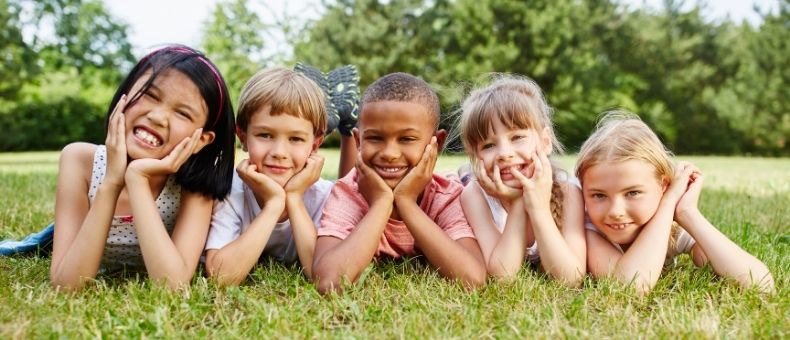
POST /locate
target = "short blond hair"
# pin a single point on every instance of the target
(287, 92)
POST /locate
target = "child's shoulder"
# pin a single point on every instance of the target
(444, 185)
(81, 150)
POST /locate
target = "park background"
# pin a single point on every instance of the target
(713, 86)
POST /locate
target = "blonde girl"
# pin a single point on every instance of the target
(643, 209)
(521, 207)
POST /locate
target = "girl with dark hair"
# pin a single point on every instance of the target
(143, 200)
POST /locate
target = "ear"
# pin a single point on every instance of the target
(355, 132)
(441, 137)
(316, 143)
(545, 139)
(242, 137)
(206, 138)
(664, 184)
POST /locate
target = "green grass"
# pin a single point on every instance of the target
(747, 198)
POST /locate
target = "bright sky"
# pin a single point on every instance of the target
(157, 22)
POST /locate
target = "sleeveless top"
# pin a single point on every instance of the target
(122, 248)
(500, 217)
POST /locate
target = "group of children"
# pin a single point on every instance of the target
(162, 193)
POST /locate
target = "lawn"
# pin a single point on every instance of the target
(747, 198)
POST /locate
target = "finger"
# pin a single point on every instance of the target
(482, 177)
(537, 160)
(498, 178)
(525, 182)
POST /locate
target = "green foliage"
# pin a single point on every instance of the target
(232, 39)
(58, 83)
(705, 87)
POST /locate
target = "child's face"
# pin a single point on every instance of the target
(279, 145)
(170, 110)
(392, 137)
(621, 197)
(512, 150)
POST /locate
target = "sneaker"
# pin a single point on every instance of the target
(344, 94)
(332, 117)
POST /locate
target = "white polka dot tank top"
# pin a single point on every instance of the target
(122, 248)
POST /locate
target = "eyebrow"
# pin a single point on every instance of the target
(629, 188)
(267, 127)
(399, 131)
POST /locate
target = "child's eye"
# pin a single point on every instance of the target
(373, 138)
(598, 196)
(296, 139)
(151, 95)
(264, 135)
(408, 139)
(184, 114)
(633, 193)
(487, 146)
(517, 137)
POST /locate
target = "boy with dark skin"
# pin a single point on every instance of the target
(392, 203)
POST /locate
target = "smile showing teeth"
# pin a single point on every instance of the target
(391, 170)
(618, 226)
(147, 137)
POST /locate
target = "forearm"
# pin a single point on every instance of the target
(643, 261)
(726, 257)
(82, 259)
(162, 259)
(507, 257)
(350, 257)
(556, 256)
(348, 151)
(231, 264)
(450, 258)
(304, 232)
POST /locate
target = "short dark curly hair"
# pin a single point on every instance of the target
(403, 87)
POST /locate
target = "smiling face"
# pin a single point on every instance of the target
(621, 197)
(279, 145)
(392, 137)
(511, 150)
(170, 110)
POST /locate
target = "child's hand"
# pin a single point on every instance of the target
(413, 184)
(303, 179)
(116, 145)
(494, 186)
(148, 167)
(264, 187)
(688, 202)
(677, 188)
(537, 188)
(371, 185)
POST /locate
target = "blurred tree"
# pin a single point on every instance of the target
(233, 39)
(73, 55)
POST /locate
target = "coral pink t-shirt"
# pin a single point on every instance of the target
(346, 206)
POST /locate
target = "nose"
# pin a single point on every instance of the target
(505, 152)
(617, 209)
(390, 152)
(279, 150)
(158, 116)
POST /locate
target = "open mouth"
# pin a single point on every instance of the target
(147, 137)
(618, 226)
(387, 172)
(507, 171)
